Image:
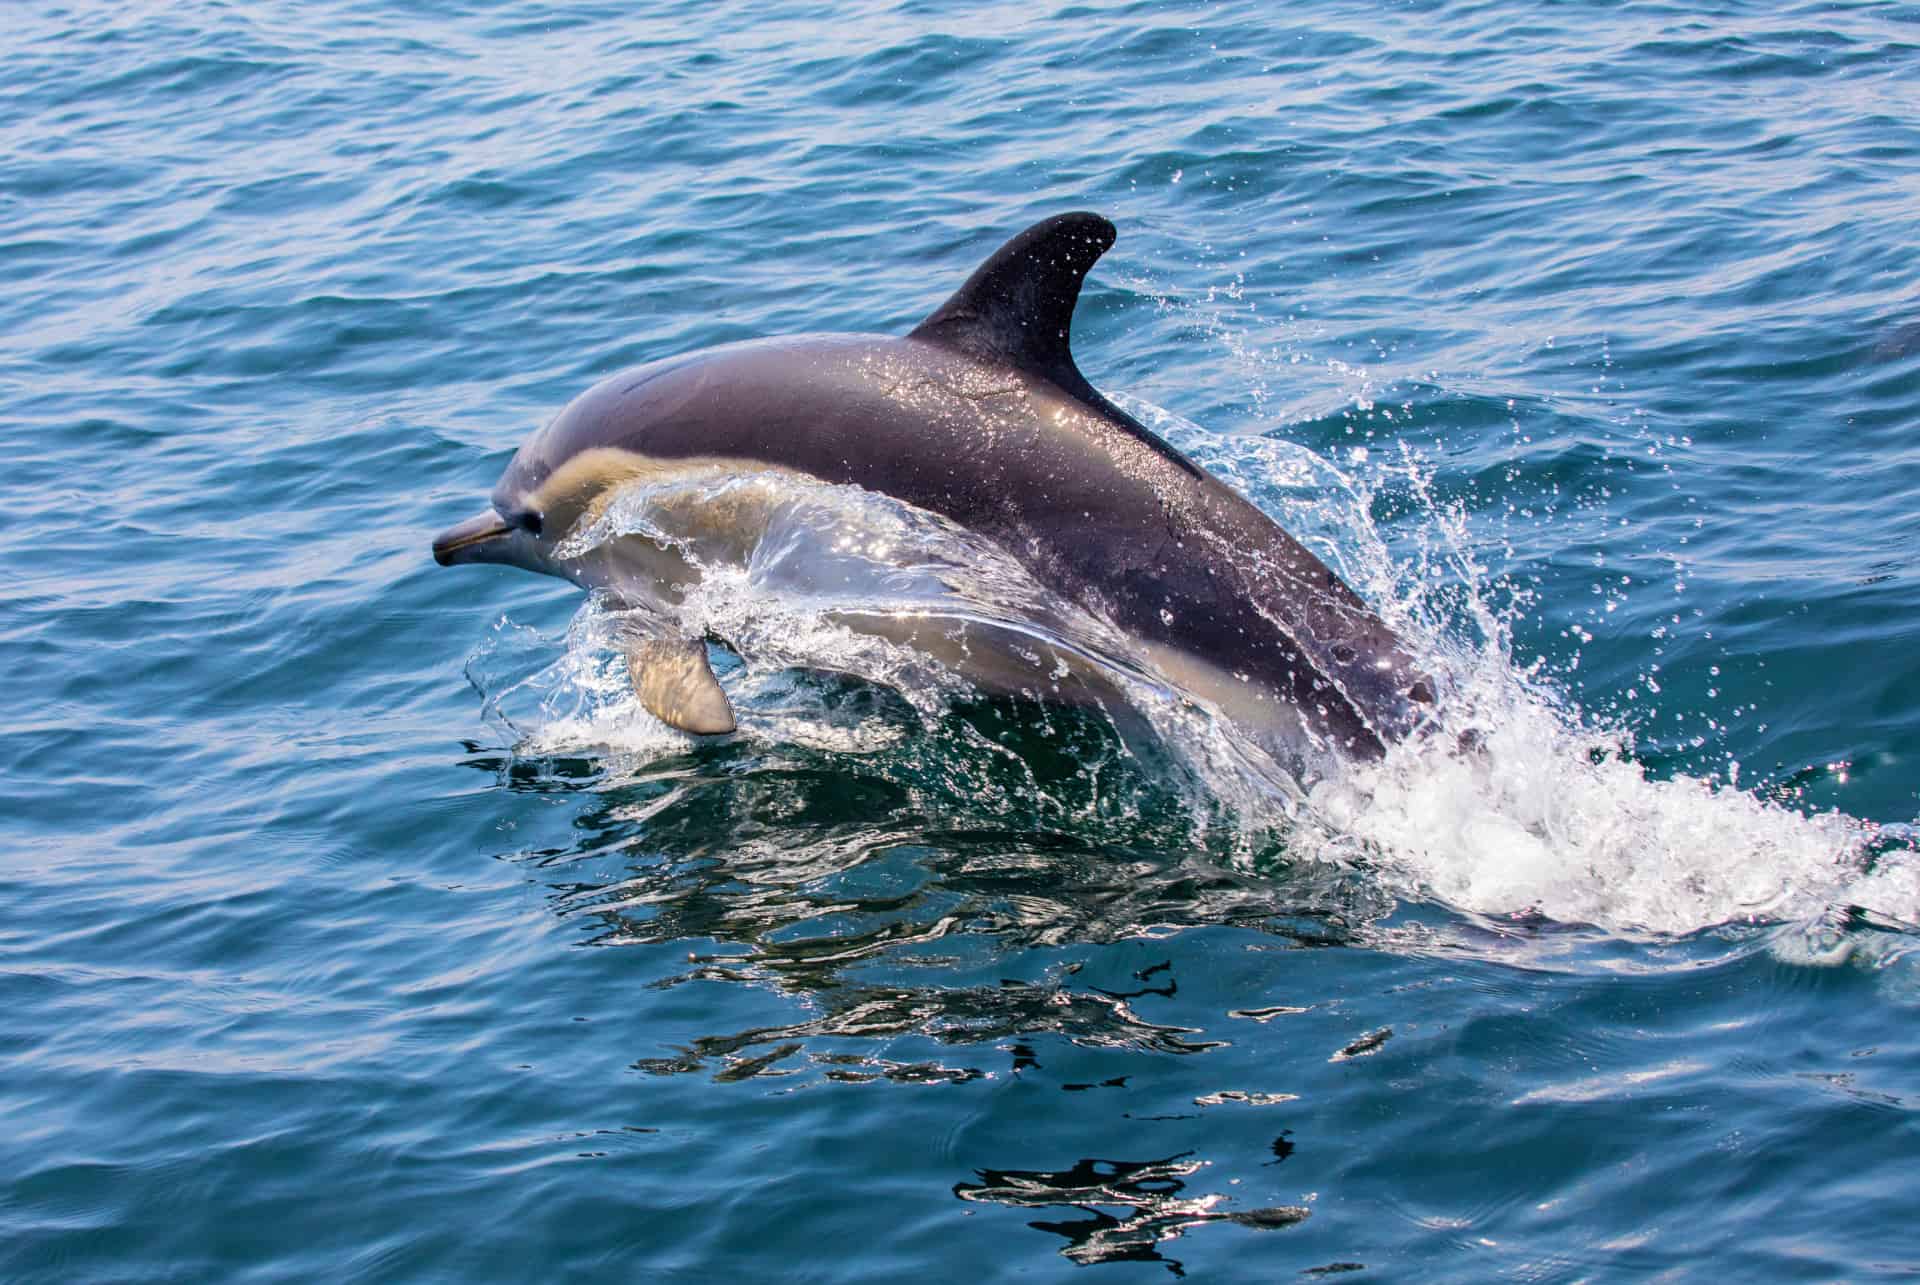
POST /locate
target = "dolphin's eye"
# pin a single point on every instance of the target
(527, 520)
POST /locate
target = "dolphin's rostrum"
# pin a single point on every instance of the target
(981, 416)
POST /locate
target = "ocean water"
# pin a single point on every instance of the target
(357, 924)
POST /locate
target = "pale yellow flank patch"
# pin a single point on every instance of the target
(582, 487)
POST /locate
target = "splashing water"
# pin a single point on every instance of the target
(1548, 814)
(1516, 804)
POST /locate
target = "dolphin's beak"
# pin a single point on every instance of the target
(468, 541)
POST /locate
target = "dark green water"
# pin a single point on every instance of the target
(357, 926)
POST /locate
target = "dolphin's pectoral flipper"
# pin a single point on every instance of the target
(676, 685)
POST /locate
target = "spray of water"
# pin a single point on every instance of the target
(1516, 805)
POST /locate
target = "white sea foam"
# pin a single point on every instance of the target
(1543, 812)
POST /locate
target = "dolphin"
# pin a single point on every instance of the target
(979, 415)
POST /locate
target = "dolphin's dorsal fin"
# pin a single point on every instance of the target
(1018, 305)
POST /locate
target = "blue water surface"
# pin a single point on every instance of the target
(312, 966)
